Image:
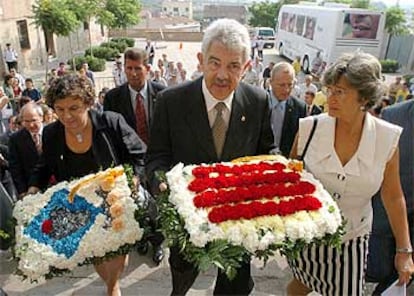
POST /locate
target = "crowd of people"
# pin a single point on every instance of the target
(156, 116)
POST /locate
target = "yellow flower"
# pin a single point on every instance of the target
(108, 183)
(118, 224)
(116, 210)
(113, 197)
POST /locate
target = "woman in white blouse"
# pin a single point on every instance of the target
(353, 154)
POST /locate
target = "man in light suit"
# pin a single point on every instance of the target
(382, 248)
(185, 129)
(23, 151)
(124, 100)
(285, 109)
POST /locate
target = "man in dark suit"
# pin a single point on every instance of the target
(311, 108)
(25, 146)
(135, 100)
(214, 118)
(285, 109)
(382, 248)
(123, 99)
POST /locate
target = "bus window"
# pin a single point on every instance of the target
(310, 27)
(300, 23)
(292, 21)
(285, 21)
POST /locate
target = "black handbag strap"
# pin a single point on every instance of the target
(315, 123)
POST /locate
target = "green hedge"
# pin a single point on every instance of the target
(389, 66)
(103, 52)
(120, 46)
(95, 64)
(129, 41)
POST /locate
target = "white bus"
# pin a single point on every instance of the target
(306, 31)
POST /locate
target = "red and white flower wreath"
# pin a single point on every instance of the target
(254, 204)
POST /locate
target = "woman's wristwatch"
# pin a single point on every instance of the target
(408, 250)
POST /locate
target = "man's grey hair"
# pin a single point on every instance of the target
(282, 67)
(230, 33)
(31, 106)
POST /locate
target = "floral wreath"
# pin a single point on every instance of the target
(225, 213)
(76, 223)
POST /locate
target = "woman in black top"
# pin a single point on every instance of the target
(83, 141)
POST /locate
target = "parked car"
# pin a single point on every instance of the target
(267, 34)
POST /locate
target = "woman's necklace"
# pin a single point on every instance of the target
(79, 137)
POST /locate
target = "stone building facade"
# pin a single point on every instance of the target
(17, 28)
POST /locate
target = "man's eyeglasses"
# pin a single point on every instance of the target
(338, 92)
(30, 121)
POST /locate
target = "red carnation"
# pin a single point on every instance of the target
(47, 226)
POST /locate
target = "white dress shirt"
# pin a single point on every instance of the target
(211, 103)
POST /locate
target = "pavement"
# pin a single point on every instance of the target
(141, 277)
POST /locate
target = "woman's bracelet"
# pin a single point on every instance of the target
(404, 250)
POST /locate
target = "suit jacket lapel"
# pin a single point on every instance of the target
(197, 120)
(151, 101)
(288, 117)
(127, 104)
(32, 145)
(60, 151)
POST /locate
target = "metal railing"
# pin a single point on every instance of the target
(101, 82)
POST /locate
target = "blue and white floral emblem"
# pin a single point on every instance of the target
(73, 222)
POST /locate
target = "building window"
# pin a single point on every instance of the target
(175, 9)
(23, 34)
(187, 9)
(85, 26)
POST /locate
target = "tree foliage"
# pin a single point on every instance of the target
(125, 12)
(110, 13)
(395, 21)
(61, 17)
(54, 16)
(360, 4)
(353, 3)
(265, 14)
